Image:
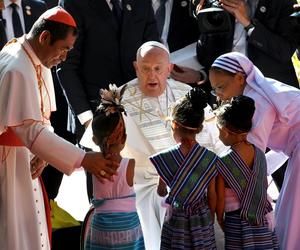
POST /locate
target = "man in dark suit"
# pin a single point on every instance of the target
(104, 51)
(51, 3)
(28, 11)
(180, 28)
(260, 29)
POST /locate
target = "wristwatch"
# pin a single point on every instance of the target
(249, 26)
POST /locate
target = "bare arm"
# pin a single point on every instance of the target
(212, 198)
(130, 172)
(162, 188)
(221, 200)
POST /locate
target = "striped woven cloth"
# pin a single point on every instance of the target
(190, 225)
(247, 227)
(239, 234)
(112, 231)
(187, 176)
(250, 184)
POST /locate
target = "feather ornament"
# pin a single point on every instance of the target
(111, 99)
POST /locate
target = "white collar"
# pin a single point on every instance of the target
(8, 2)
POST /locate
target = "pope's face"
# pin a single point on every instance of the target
(153, 68)
(55, 53)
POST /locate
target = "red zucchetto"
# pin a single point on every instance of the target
(58, 14)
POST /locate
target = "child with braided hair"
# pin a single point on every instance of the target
(189, 171)
(113, 222)
(242, 182)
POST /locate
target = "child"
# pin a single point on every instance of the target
(242, 183)
(115, 223)
(276, 124)
(189, 171)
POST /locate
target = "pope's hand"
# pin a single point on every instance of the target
(186, 75)
(102, 168)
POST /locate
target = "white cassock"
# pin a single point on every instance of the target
(24, 113)
(149, 133)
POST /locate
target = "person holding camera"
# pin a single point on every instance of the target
(259, 29)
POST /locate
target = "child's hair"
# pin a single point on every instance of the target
(108, 125)
(189, 111)
(237, 114)
(103, 125)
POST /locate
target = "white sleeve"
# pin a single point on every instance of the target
(53, 149)
(209, 136)
(85, 116)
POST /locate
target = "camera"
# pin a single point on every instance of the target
(213, 18)
(216, 32)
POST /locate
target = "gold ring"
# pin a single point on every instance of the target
(102, 173)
